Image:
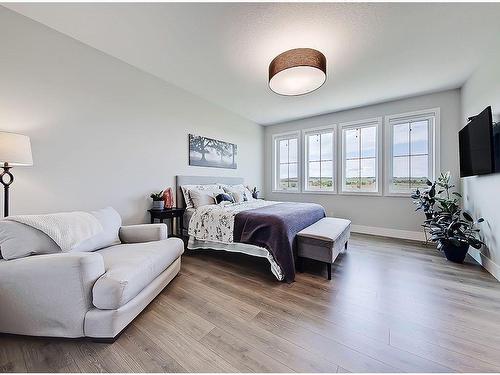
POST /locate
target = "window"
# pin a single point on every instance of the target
(360, 156)
(286, 162)
(411, 150)
(319, 160)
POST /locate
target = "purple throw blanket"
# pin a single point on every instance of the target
(274, 228)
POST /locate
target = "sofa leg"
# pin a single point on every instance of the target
(345, 246)
(329, 269)
(103, 340)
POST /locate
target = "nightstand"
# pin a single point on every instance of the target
(169, 213)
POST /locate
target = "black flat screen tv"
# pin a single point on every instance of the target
(477, 146)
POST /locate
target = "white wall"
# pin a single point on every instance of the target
(481, 193)
(103, 132)
(392, 216)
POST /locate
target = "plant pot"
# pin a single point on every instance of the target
(454, 253)
(158, 205)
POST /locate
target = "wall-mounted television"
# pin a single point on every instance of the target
(479, 145)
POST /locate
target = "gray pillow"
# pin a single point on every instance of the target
(18, 241)
(111, 222)
(202, 198)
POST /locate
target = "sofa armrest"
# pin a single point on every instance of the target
(143, 233)
(48, 295)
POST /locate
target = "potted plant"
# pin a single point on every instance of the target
(255, 193)
(158, 202)
(425, 199)
(451, 228)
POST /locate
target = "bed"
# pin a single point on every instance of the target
(259, 228)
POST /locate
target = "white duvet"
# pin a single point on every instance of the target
(215, 222)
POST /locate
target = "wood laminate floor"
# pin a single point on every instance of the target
(392, 306)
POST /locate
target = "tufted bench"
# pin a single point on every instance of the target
(323, 241)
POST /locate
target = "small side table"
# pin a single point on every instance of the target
(169, 213)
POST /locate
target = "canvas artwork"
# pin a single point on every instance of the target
(207, 152)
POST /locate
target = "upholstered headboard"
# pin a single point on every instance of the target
(200, 180)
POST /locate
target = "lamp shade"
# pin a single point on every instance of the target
(15, 149)
(297, 71)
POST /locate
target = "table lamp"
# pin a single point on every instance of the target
(15, 150)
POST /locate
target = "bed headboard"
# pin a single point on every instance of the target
(200, 180)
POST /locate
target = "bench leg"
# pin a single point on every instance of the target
(300, 264)
(329, 269)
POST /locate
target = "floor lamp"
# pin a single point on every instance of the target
(15, 150)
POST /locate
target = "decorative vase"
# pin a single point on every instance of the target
(168, 198)
(158, 205)
(454, 253)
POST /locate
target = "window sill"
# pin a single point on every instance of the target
(286, 191)
(320, 192)
(362, 193)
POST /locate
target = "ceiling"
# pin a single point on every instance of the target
(221, 51)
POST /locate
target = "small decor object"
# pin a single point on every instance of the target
(297, 72)
(255, 193)
(451, 228)
(168, 197)
(15, 150)
(158, 202)
(207, 152)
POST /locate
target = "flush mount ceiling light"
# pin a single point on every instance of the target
(297, 71)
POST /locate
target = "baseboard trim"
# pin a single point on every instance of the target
(487, 263)
(388, 232)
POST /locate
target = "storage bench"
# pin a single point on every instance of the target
(324, 241)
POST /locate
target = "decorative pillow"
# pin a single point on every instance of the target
(185, 191)
(224, 198)
(111, 222)
(239, 192)
(201, 198)
(19, 240)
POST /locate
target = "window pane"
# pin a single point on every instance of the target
(368, 173)
(313, 147)
(293, 175)
(419, 170)
(419, 137)
(327, 146)
(400, 172)
(327, 175)
(351, 143)
(283, 175)
(314, 175)
(400, 140)
(368, 142)
(292, 144)
(351, 174)
(283, 156)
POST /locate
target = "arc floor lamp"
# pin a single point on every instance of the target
(15, 150)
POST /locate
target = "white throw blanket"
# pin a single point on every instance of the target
(67, 229)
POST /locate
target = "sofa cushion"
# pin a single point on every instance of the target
(130, 268)
(19, 240)
(111, 222)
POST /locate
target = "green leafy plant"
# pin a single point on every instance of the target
(157, 196)
(425, 199)
(446, 222)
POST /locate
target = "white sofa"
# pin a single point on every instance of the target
(94, 294)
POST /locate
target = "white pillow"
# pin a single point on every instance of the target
(111, 222)
(239, 192)
(19, 240)
(185, 191)
(202, 198)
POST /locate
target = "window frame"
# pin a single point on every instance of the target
(433, 144)
(305, 164)
(276, 161)
(377, 122)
